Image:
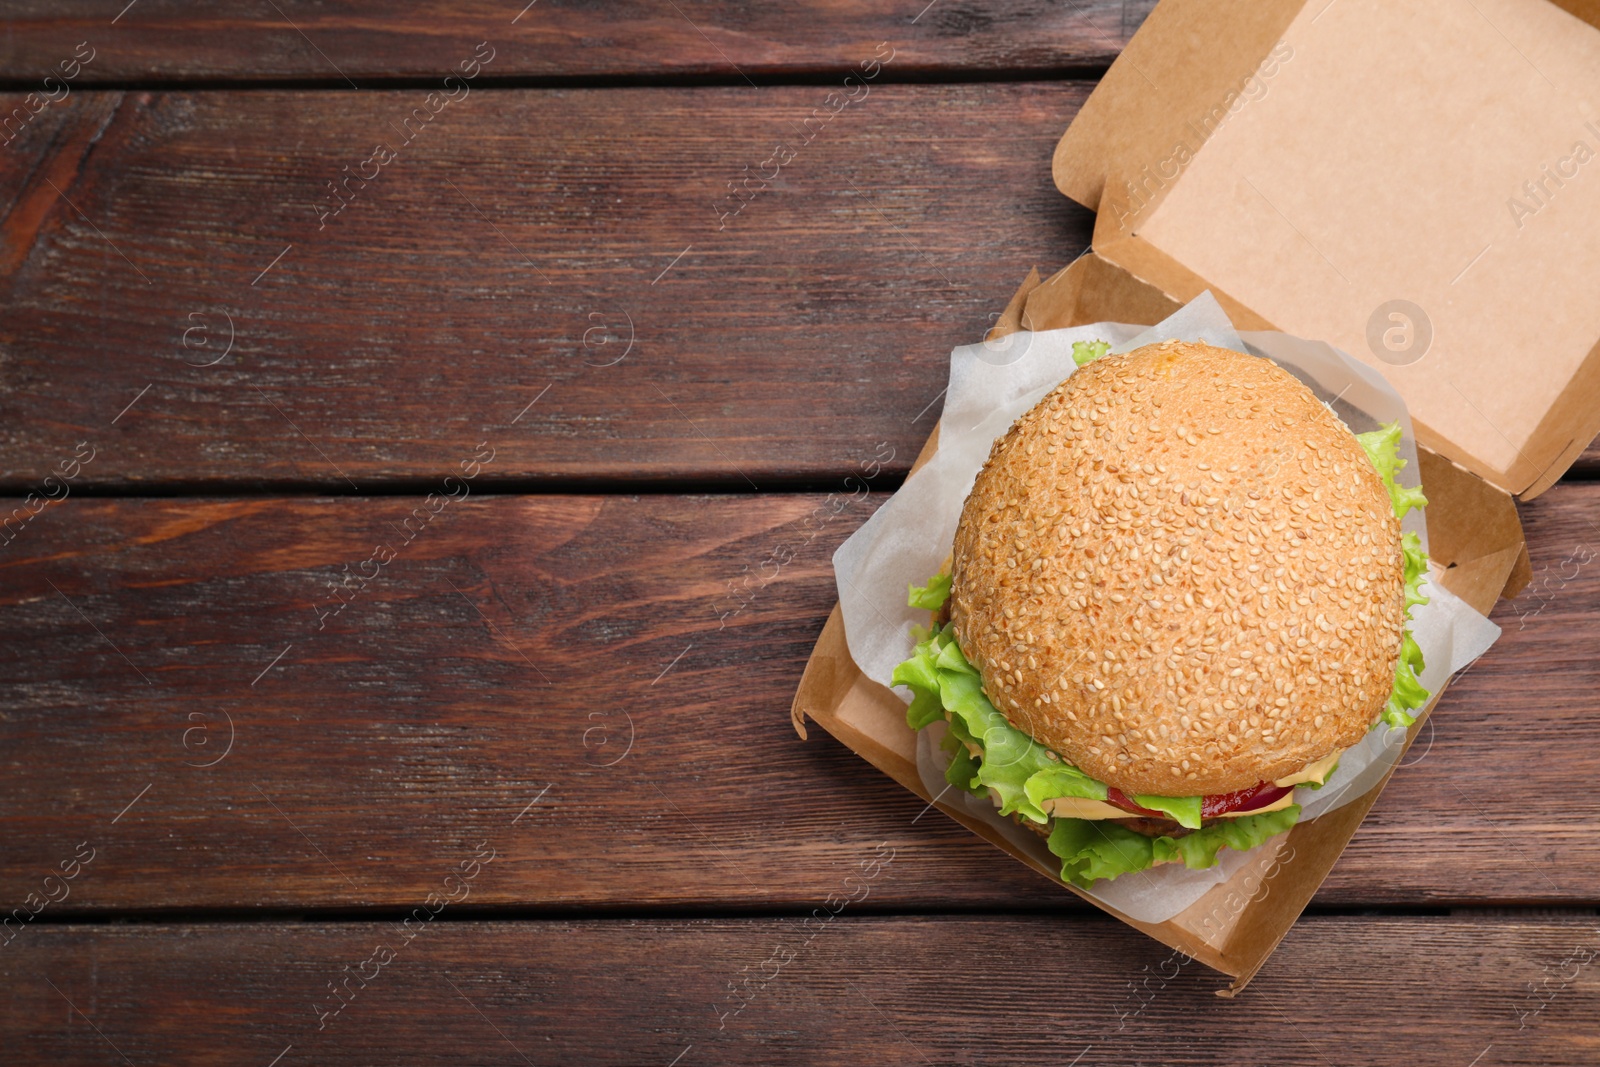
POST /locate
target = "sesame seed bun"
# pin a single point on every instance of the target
(1181, 573)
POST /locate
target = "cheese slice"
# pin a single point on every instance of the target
(1081, 808)
(1314, 772)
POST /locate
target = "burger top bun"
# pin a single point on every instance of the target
(1180, 572)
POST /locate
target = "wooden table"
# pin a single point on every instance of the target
(395, 667)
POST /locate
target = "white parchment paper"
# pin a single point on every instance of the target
(991, 385)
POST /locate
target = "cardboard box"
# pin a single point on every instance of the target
(1314, 164)
(1413, 183)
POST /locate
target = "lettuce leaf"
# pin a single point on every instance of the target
(963, 769)
(931, 597)
(1184, 810)
(940, 676)
(1089, 351)
(1416, 567)
(1063, 780)
(1383, 449)
(1408, 694)
(1091, 850)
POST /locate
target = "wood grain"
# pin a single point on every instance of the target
(511, 256)
(1587, 465)
(478, 687)
(1418, 991)
(358, 40)
(491, 278)
(572, 709)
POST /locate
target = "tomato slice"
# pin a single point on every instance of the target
(1118, 798)
(1257, 796)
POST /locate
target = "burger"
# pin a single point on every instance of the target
(1178, 591)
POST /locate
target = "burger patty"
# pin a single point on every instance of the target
(1157, 827)
(1147, 827)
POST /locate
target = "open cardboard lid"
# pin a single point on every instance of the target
(1418, 184)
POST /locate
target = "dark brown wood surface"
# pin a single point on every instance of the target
(520, 244)
(511, 256)
(1417, 991)
(156, 40)
(626, 662)
(1587, 465)
(272, 706)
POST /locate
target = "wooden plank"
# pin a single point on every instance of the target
(547, 266)
(351, 39)
(485, 685)
(1449, 991)
(1587, 465)
(510, 250)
